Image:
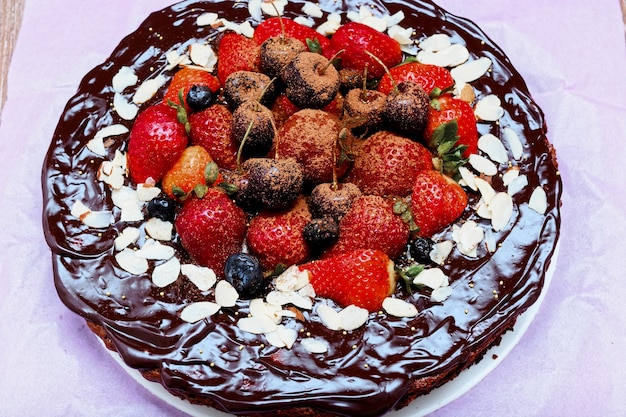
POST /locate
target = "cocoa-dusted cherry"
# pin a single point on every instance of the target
(242, 86)
(274, 183)
(256, 120)
(332, 200)
(277, 53)
(310, 80)
(320, 233)
(364, 110)
(406, 109)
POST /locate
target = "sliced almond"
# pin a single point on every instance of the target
(468, 237)
(517, 185)
(441, 251)
(538, 200)
(440, 294)
(431, 278)
(287, 335)
(471, 71)
(313, 345)
(486, 190)
(256, 325)
(203, 55)
(202, 277)
(124, 109)
(159, 229)
(148, 89)
(131, 212)
(482, 164)
(489, 108)
(510, 175)
(96, 145)
(125, 77)
(127, 237)
(435, 42)
(208, 18)
(166, 273)
(154, 250)
(225, 294)
(399, 308)
(146, 192)
(199, 310)
(352, 317)
(511, 137)
(312, 9)
(493, 147)
(401, 35)
(329, 317)
(128, 261)
(501, 207)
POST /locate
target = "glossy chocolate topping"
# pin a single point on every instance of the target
(367, 371)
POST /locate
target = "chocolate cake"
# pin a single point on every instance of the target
(379, 366)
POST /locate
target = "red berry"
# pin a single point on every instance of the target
(387, 163)
(211, 128)
(236, 53)
(356, 40)
(447, 108)
(271, 28)
(371, 223)
(157, 139)
(426, 76)
(184, 79)
(211, 228)
(436, 202)
(188, 172)
(361, 277)
(276, 237)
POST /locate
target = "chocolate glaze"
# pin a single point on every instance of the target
(204, 361)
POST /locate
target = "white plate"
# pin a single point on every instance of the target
(424, 405)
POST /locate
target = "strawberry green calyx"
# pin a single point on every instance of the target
(403, 209)
(181, 112)
(314, 45)
(407, 274)
(448, 155)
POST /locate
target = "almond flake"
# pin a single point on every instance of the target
(174, 59)
(394, 19)
(451, 56)
(155, 250)
(440, 294)
(299, 301)
(441, 251)
(501, 207)
(203, 55)
(98, 219)
(131, 211)
(329, 317)
(111, 130)
(514, 142)
(159, 229)
(287, 336)
(124, 78)
(124, 195)
(146, 192)
(399, 308)
(468, 237)
(330, 26)
(489, 108)
(270, 7)
(127, 237)
(225, 294)
(375, 22)
(124, 109)
(274, 339)
(400, 34)
(292, 279)
(510, 175)
(79, 209)
(166, 273)
(482, 165)
(208, 18)
(202, 277)
(312, 9)
(256, 325)
(493, 147)
(313, 345)
(199, 310)
(305, 21)
(258, 307)
(148, 89)
(352, 317)
(277, 298)
(435, 42)
(538, 200)
(128, 261)
(485, 189)
(96, 145)
(432, 278)
(307, 291)
(517, 185)
(471, 71)
(468, 178)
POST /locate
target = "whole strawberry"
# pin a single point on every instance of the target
(386, 164)
(276, 237)
(211, 128)
(184, 79)
(371, 223)
(211, 228)
(194, 170)
(236, 53)
(436, 202)
(270, 28)
(427, 76)
(157, 139)
(358, 41)
(362, 277)
(446, 108)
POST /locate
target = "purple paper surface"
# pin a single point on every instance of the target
(571, 361)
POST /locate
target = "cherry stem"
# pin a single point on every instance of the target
(330, 61)
(393, 82)
(243, 142)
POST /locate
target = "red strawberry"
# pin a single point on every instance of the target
(157, 139)
(356, 39)
(211, 128)
(426, 76)
(370, 223)
(310, 136)
(447, 108)
(184, 79)
(211, 228)
(283, 109)
(436, 202)
(387, 163)
(236, 53)
(361, 277)
(271, 28)
(276, 237)
(189, 172)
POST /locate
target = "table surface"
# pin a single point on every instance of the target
(569, 363)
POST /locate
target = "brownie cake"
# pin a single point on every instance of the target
(369, 369)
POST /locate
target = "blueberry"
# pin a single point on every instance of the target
(162, 208)
(199, 97)
(244, 272)
(420, 249)
(321, 233)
